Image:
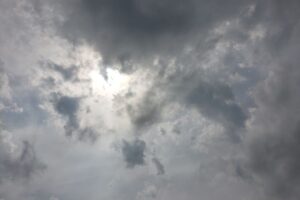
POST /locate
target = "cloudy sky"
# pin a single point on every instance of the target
(149, 100)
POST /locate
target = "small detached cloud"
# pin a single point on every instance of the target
(69, 108)
(133, 152)
(159, 166)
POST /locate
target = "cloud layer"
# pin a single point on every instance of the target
(159, 99)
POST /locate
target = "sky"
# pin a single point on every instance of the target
(149, 100)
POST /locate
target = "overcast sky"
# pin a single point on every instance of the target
(149, 100)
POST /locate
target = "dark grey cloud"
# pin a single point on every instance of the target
(274, 134)
(133, 152)
(68, 107)
(281, 18)
(274, 154)
(132, 29)
(159, 166)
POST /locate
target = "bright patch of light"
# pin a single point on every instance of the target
(114, 83)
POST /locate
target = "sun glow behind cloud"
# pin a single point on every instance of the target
(110, 86)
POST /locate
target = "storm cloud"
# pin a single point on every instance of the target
(132, 29)
(273, 149)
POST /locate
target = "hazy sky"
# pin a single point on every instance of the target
(149, 100)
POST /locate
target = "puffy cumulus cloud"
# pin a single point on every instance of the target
(134, 152)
